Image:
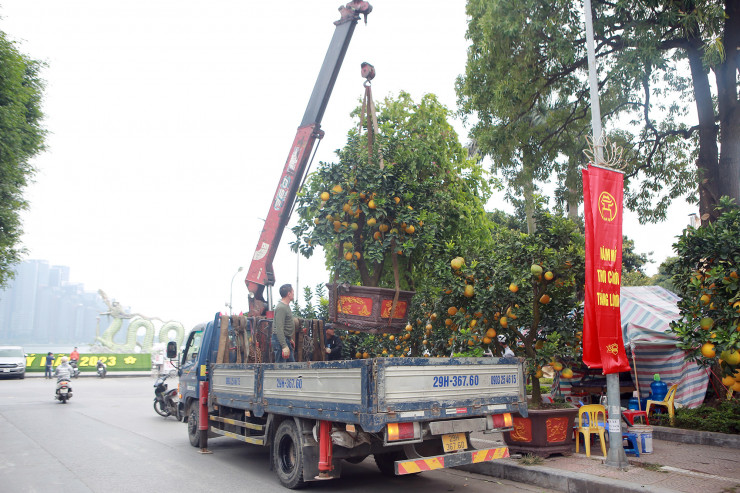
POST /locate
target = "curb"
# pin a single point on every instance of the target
(556, 479)
(695, 437)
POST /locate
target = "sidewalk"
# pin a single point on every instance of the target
(673, 466)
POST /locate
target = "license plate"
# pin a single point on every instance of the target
(6, 370)
(454, 441)
(63, 391)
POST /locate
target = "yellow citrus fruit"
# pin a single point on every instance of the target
(424, 342)
(732, 358)
(513, 288)
(448, 322)
(705, 298)
(538, 374)
(396, 199)
(736, 386)
(451, 311)
(557, 366)
(728, 380)
(428, 327)
(358, 355)
(549, 275)
(491, 333)
(348, 256)
(433, 317)
(391, 338)
(708, 350)
(504, 322)
(536, 270)
(325, 196)
(486, 340)
(706, 323)
(371, 204)
(567, 373)
(469, 291)
(357, 255)
(365, 355)
(457, 263)
(410, 229)
(371, 221)
(545, 299)
(337, 189)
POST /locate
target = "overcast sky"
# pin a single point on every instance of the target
(170, 121)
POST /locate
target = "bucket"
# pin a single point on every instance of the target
(644, 435)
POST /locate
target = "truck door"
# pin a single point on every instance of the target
(189, 365)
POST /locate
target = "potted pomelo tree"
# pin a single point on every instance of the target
(528, 289)
(380, 211)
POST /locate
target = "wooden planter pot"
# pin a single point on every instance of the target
(544, 432)
(368, 309)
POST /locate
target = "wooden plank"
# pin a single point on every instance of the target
(223, 341)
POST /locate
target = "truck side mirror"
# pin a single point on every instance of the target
(172, 350)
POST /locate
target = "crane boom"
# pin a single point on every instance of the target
(260, 273)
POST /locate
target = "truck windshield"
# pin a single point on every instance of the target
(193, 346)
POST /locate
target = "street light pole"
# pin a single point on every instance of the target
(231, 288)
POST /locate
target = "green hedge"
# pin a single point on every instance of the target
(89, 361)
(721, 418)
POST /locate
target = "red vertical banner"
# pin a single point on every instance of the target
(603, 347)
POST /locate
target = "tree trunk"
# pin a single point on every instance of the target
(708, 157)
(728, 106)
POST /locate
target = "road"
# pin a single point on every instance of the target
(108, 439)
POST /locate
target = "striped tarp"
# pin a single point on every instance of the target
(646, 314)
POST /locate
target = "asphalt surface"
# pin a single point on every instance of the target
(108, 439)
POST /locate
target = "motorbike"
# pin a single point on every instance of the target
(64, 391)
(102, 369)
(165, 401)
(75, 369)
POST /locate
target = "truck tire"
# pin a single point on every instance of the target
(193, 432)
(385, 462)
(287, 455)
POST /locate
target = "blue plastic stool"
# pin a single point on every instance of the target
(631, 438)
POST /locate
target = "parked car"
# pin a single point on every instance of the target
(12, 362)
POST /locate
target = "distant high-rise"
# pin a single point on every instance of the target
(41, 306)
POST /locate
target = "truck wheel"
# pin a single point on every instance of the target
(193, 432)
(385, 462)
(288, 455)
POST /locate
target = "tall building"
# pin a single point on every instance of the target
(41, 306)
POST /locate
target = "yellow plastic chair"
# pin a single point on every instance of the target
(667, 403)
(590, 423)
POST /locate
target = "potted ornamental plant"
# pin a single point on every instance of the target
(526, 290)
(378, 210)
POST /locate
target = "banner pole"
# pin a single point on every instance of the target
(616, 456)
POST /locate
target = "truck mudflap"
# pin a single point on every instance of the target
(412, 466)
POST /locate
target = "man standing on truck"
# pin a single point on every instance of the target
(333, 344)
(283, 329)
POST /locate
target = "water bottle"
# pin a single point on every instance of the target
(658, 389)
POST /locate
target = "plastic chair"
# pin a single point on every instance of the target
(589, 424)
(631, 447)
(667, 403)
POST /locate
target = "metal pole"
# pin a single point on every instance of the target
(593, 80)
(616, 456)
(231, 287)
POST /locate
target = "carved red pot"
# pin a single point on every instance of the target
(543, 432)
(368, 309)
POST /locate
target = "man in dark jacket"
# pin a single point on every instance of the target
(333, 344)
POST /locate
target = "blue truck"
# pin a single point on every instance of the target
(411, 414)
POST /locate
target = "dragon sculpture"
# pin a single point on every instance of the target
(118, 315)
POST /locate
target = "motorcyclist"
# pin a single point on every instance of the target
(64, 371)
(101, 368)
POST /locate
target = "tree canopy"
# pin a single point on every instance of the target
(526, 84)
(21, 138)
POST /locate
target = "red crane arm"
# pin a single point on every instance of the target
(260, 273)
